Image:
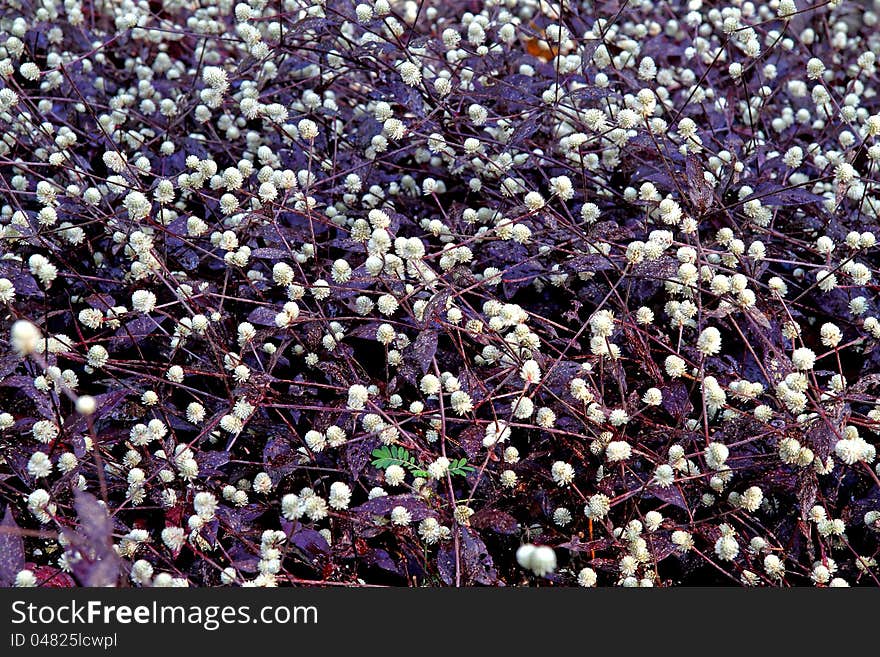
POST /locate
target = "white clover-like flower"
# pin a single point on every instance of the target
(340, 496)
(39, 466)
(497, 431)
(394, 475)
(540, 559)
(675, 366)
(618, 417)
(618, 450)
(25, 337)
(25, 579)
(830, 334)
(143, 301)
(653, 397)
(709, 342)
(205, 505)
(357, 397)
(803, 358)
(530, 372)
(410, 73)
(308, 129)
(534, 201)
(431, 531)
(29, 71)
(562, 473)
(400, 516)
(664, 475)
(597, 506)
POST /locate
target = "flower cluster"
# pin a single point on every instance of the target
(448, 293)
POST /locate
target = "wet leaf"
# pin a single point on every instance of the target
(12, 557)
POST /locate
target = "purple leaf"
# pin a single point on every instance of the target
(279, 458)
(424, 348)
(98, 564)
(382, 506)
(211, 463)
(496, 521)
(134, 332)
(475, 563)
(12, 558)
(262, 316)
(381, 559)
(309, 543)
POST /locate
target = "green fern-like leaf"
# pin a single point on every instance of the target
(386, 456)
(460, 468)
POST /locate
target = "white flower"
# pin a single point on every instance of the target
(652, 397)
(410, 73)
(364, 13)
(534, 201)
(540, 559)
(430, 384)
(340, 496)
(587, 577)
(497, 431)
(675, 366)
(439, 468)
(751, 499)
(29, 71)
(826, 280)
(803, 358)
(618, 450)
(602, 323)
(562, 473)
(45, 431)
(815, 68)
(308, 129)
(205, 505)
(530, 372)
(726, 548)
(508, 479)
(709, 342)
(831, 334)
(39, 465)
(664, 475)
(461, 402)
(86, 405)
(716, 455)
(25, 337)
(357, 397)
(431, 531)
(25, 579)
(7, 290)
(173, 538)
(852, 450)
(400, 516)
(143, 301)
(315, 440)
(231, 424)
(394, 475)
(597, 506)
(315, 508)
(40, 506)
(562, 516)
(195, 413)
(618, 417)
(786, 9)
(683, 540)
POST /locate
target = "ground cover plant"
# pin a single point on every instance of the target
(407, 293)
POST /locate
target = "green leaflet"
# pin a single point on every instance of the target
(386, 456)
